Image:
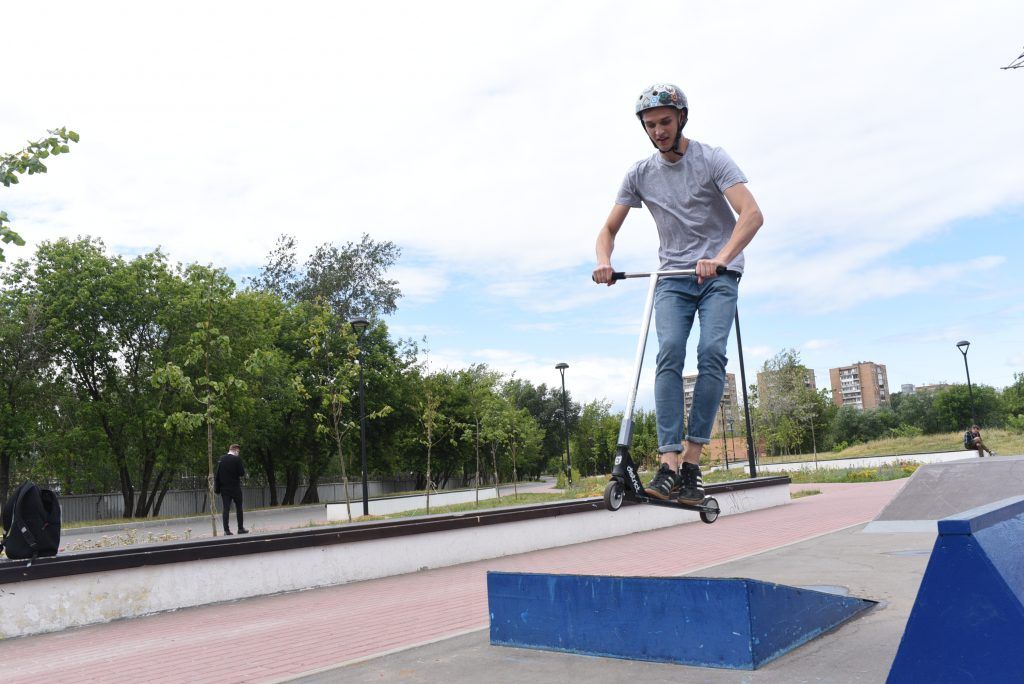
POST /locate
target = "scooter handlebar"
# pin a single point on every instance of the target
(622, 275)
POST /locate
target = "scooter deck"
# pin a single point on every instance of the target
(672, 503)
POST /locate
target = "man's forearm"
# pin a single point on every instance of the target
(605, 245)
(747, 225)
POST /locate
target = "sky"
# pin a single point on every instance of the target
(881, 140)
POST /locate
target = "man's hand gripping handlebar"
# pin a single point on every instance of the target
(622, 275)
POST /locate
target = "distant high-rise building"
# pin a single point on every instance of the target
(862, 385)
(730, 404)
(907, 389)
(930, 389)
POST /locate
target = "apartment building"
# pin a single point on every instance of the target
(862, 385)
(730, 404)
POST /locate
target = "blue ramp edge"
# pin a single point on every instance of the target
(731, 623)
(967, 624)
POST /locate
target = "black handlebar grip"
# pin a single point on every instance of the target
(721, 270)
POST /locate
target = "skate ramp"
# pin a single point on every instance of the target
(967, 621)
(940, 490)
(709, 622)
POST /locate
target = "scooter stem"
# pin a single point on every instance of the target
(626, 431)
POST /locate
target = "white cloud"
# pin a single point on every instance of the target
(815, 345)
(868, 130)
(419, 284)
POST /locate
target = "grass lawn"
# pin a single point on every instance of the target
(1001, 441)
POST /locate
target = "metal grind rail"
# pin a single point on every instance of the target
(225, 547)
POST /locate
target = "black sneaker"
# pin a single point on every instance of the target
(665, 480)
(691, 490)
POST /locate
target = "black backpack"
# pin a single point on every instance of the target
(31, 520)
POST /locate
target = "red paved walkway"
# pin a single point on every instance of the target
(270, 638)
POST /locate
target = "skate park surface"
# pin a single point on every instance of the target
(432, 626)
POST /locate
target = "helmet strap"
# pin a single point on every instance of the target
(679, 131)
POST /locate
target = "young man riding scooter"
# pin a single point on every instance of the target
(692, 190)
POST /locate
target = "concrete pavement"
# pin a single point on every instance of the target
(313, 633)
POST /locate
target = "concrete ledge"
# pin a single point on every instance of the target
(55, 603)
(864, 461)
(398, 504)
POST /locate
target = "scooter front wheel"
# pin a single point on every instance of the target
(711, 514)
(613, 495)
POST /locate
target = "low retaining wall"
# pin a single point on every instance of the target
(398, 504)
(864, 461)
(46, 605)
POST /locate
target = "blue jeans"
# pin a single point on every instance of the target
(675, 303)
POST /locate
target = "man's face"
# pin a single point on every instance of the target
(662, 124)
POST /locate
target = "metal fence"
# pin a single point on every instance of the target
(185, 502)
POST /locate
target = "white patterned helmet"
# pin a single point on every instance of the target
(661, 95)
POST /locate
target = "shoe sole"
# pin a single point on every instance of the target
(656, 494)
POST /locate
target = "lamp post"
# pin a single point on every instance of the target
(359, 325)
(565, 422)
(963, 346)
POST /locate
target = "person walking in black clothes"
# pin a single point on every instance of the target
(227, 482)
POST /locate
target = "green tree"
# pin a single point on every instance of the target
(23, 371)
(595, 438)
(953, 407)
(479, 385)
(350, 278)
(106, 332)
(783, 404)
(208, 354)
(29, 160)
(1013, 397)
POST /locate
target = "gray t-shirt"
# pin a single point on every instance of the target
(686, 199)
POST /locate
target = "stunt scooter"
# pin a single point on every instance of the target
(625, 483)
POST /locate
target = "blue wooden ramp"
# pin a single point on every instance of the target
(967, 624)
(709, 622)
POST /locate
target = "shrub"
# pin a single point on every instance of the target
(1015, 424)
(905, 430)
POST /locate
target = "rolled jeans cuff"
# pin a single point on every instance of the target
(670, 448)
(698, 440)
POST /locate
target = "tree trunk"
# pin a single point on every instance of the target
(160, 499)
(291, 485)
(428, 471)
(344, 470)
(209, 477)
(147, 496)
(267, 461)
(477, 485)
(494, 462)
(312, 494)
(5, 476)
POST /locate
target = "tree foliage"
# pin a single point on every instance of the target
(29, 161)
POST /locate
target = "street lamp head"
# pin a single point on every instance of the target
(562, 366)
(963, 346)
(359, 324)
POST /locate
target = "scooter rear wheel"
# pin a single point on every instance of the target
(613, 495)
(711, 515)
